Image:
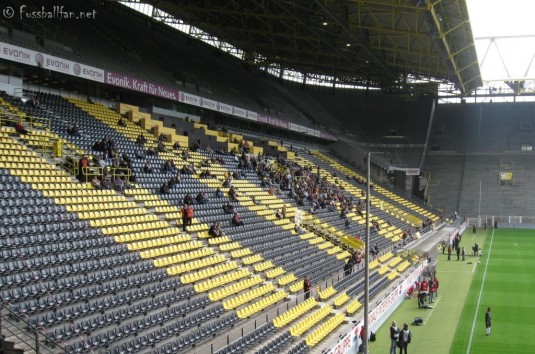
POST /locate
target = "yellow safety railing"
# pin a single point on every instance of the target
(92, 171)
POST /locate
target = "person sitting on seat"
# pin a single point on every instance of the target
(278, 214)
(141, 140)
(215, 230)
(73, 130)
(96, 183)
(236, 220)
(206, 174)
(119, 185)
(187, 170)
(164, 189)
(201, 198)
(233, 194)
(147, 168)
(228, 208)
(219, 193)
(121, 122)
(161, 147)
(19, 128)
(174, 181)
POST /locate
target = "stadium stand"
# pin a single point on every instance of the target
(98, 256)
(125, 229)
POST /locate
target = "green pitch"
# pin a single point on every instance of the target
(502, 281)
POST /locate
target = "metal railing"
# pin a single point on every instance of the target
(10, 119)
(263, 317)
(16, 329)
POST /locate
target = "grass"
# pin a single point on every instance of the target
(502, 281)
(508, 289)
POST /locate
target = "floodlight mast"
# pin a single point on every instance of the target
(367, 259)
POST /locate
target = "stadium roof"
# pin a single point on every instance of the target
(366, 42)
(504, 38)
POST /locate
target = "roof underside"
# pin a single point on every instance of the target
(367, 42)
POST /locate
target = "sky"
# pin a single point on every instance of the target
(495, 18)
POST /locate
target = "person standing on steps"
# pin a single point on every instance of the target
(488, 319)
(307, 287)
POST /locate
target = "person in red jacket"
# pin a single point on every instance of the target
(187, 215)
(432, 291)
(435, 282)
(424, 285)
(422, 294)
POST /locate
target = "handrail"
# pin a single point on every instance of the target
(33, 121)
(92, 171)
(265, 317)
(39, 339)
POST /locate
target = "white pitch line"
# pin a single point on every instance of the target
(433, 309)
(474, 268)
(479, 297)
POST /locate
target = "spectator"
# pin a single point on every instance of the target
(174, 181)
(20, 129)
(201, 198)
(348, 223)
(228, 182)
(278, 214)
(188, 199)
(105, 184)
(141, 140)
(121, 122)
(219, 193)
(299, 229)
(215, 230)
(161, 147)
(96, 183)
(119, 185)
(228, 208)
(206, 174)
(168, 166)
(185, 154)
(73, 130)
(184, 213)
(233, 194)
(307, 287)
(236, 220)
(164, 189)
(187, 170)
(147, 168)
